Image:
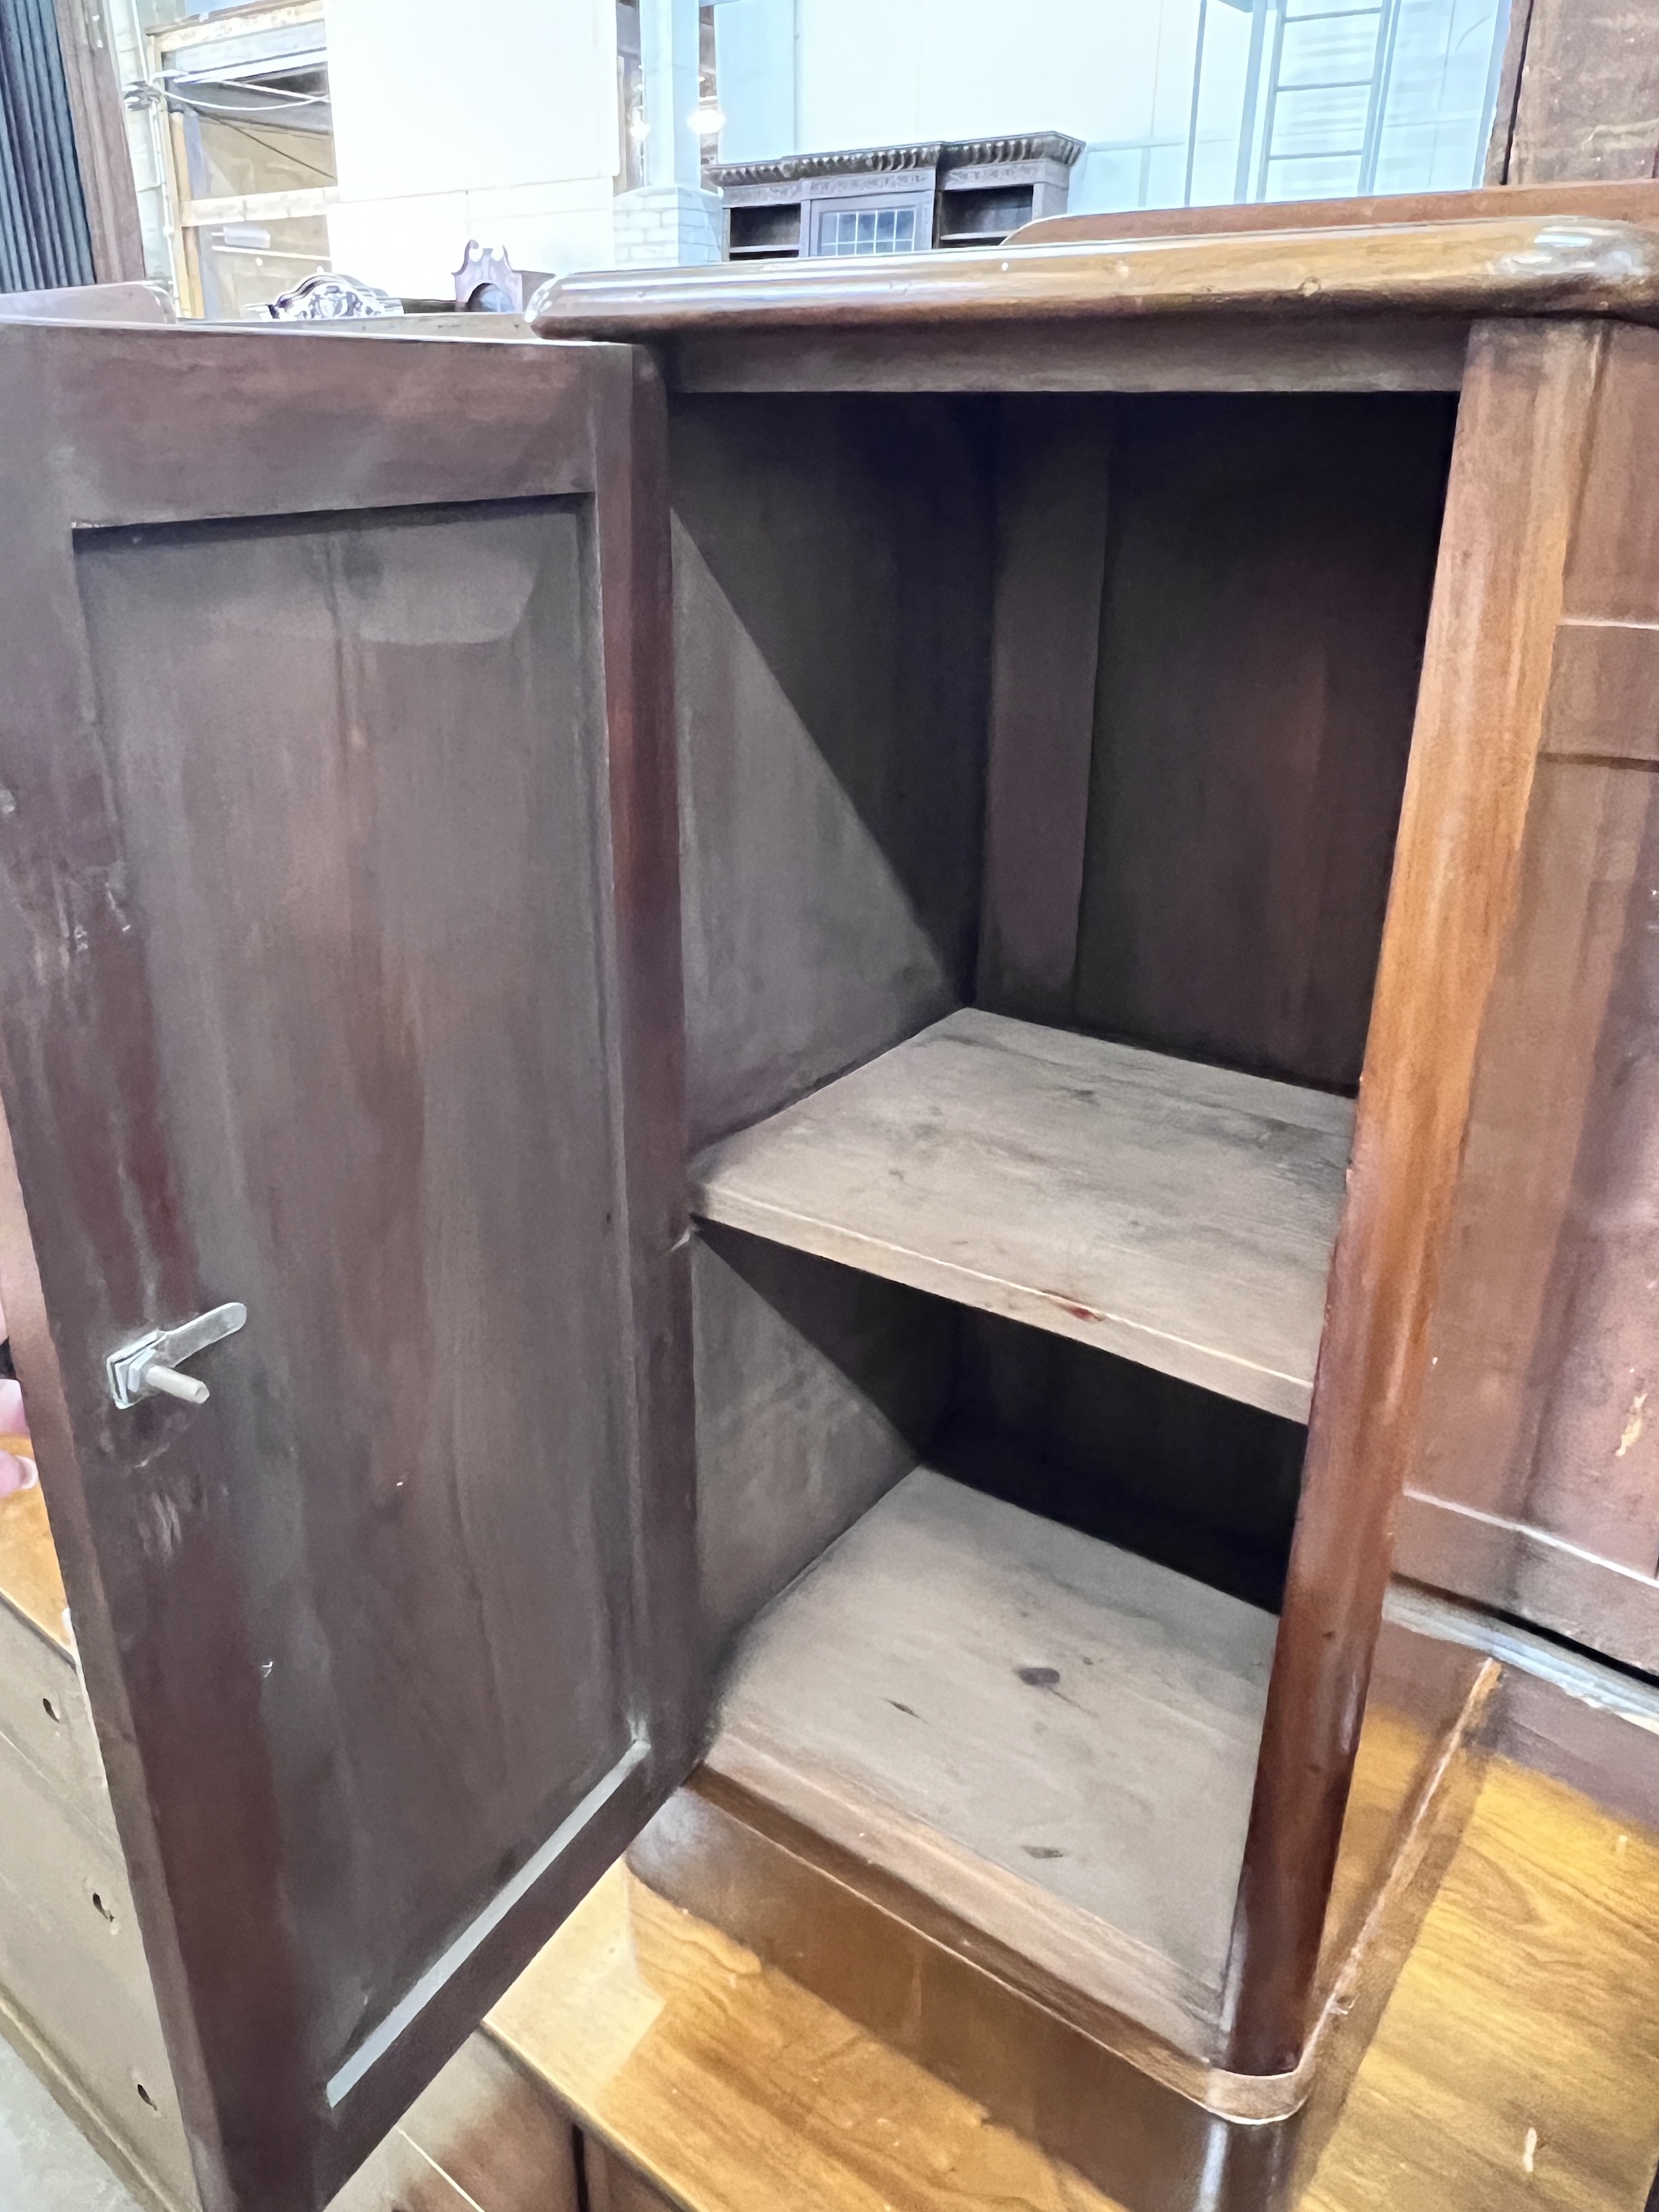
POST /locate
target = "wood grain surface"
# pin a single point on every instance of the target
(1055, 489)
(819, 1387)
(832, 586)
(1054, 1739)
(1626, 200)
(1268, 575)
(379, 1033)
(1516, 2062)
(1535, 1482)
(1495, 265)
(1586, 99)
(1180, 1215)
(1377, 351)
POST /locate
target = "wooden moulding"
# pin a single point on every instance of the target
(1496, 266)
(1253, 352)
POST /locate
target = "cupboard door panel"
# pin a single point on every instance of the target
(337, 949)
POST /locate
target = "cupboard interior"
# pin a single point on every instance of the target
(1041, 764)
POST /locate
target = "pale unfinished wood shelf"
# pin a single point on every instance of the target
(1054, 1740)
(1178, 1215)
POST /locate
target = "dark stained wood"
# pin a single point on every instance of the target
(817, 1387)
(1536, 1478)
(1496, 266)
(1248, 352)
(832, 577)
(1516, 472)
(1051, 503)
(1595, 1752)
(1266, 593)
(1165, 1469)
(1521, 1569)
(1506, 95)
(1587, 104)
(1634, 201)
(339, 940)
(1535, 1411)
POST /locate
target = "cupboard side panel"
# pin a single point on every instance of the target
(832, 575)
(1535, 1483)
(817, 1387)
(1516, 475)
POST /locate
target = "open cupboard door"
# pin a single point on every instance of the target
(339, 983)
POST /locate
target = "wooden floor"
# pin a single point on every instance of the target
(1517, 2065)
(1053, 1739)
(1179, 1215)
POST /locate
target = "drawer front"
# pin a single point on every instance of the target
(73, 1970)
(45, 1721)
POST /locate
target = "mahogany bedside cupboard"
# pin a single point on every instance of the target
(987, 758)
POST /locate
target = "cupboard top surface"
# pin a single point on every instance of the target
(1490, 266)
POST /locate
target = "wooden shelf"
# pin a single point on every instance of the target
(1177, 1215)
(1054, 1741)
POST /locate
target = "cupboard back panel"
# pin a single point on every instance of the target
(1268, 566)
(1159, 1466)
(832, 572)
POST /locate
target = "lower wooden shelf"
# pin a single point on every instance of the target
(1053, 1740)
(1178, 1215)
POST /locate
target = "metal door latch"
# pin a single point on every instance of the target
(140, 1370)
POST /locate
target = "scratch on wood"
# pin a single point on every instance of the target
(161, 1527)
(1633, 1425)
